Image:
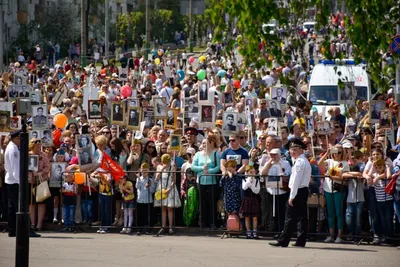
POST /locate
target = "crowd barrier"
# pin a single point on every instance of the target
(153, 220)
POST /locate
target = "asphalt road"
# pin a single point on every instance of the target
(94, 250)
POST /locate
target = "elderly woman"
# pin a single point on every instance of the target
(136, 156)
(34, 178)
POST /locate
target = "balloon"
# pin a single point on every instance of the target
(181, 75)
(157, 61)
(201, 74)
(236, 84)
(202, 59)
(79, 177)
(221, 73)
(126, 91)
(60, 120)
(191, 60)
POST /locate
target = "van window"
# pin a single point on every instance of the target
(328, 94)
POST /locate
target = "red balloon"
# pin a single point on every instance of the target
(191, 60)
(236, 84)
(126, 91)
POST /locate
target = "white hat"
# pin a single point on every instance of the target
(54, 111)
(347, 144)
(191, 151)
(275, 151)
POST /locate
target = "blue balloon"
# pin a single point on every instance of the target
(181, 75)
(221, 73)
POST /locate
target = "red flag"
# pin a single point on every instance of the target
(112, 167)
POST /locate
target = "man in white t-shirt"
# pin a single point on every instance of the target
(166, 92)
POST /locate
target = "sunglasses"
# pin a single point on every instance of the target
(337, 127)
(37, 142)
(338, 153)
(232, 140)
(242, 137)
(106, 132)
(262, 138)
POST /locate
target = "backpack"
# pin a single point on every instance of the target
(233, 223)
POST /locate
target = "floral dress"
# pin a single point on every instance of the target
(231, 191)
(172, 201)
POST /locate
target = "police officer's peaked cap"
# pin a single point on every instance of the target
(297, 143)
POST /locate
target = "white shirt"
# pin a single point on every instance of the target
(274, 170)
(268, 80)
(253, 185)
(12, 163)
(166, 92)
(249, 94)
(301, 175)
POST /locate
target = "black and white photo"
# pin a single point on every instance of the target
(85, 156)
(229, 123)
(13, 91)
(123, 74)
(272, 126)
(310, 124)
(376, 107)
(160, 107)
(33, 164)
(39, 117)
(275, 110)
(20, 78)
(347, 94)
(35, 134)
(134, 118)
(117, 113)
(148, 117)
(204, 92)
(227, 99)
(95, 109)
(325, 127)
(385, 121)
(82, 141)
(35, 98)
(46, 137)
(170, 123)
(56, 174)
(279, 94)
(24, 91)
(207, 116)
(190, 106)
(133, 102)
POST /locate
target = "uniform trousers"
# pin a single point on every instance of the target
(294, 214)
(12, 190)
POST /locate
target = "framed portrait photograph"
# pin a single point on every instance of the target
(15, 123)
(325, 127)
(204, 93)
(347, 95)
(275, 109)
(83, 140)
(95, 109)
(85, 156)
(133, 102)
(39, 117)
(13, 91)
(24, 91)
(56, 174)
(229, 123)
(117, 113)
(376, 106)
(207, 115)
(279, 94)
(36, 98)
(310, 124)
(249, 102)
(385, 120)
(134, 118)
(59, 96)
(227, 99)
(5, 121)
(33, 163)
(175, 142)
(160, 107)
(148, 117)
(6, 106)
(272, 126)
(123, 74)
(20, 78)
(35, 134)
(171, 122)
(47, 137)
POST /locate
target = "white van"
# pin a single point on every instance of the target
(309, 25)
(323, 86)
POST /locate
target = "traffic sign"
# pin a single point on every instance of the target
(394, 47)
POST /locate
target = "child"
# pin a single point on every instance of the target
(88, 198)
(54, 188)
(145, 187)
(189, 180)
(69, 190)
(126, 189)
(385, 201)
(251, 206)
(231, 183)
(155, 162)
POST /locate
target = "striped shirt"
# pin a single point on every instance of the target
(380, 193)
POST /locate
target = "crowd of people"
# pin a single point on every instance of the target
(238, 158)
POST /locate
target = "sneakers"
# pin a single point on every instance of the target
(123, 231)
(128, 230)
(171, 231)
(329, 240)
(376, 241)
(96, 223)
(101, 231)
(338, 240)
(55, 221)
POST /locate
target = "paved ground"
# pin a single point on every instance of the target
(56, 249)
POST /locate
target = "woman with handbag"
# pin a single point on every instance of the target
(334, 189)
(206, 163)
(35, 179)
(167, 195)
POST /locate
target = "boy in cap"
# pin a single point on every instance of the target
(145, 187)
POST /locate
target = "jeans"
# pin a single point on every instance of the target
(386, 212)
(375, 222)
(334, 203)
(397, 204)
(354, 213)
(68, 214)
(105, 210)
(87, 213)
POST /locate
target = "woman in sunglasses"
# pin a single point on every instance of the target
(35, 148)
(334, 189)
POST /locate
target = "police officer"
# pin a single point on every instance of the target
(12, 167)
(39, 119)
(296, 208)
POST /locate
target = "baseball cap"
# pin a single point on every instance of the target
(275, 151)
(191, 151)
